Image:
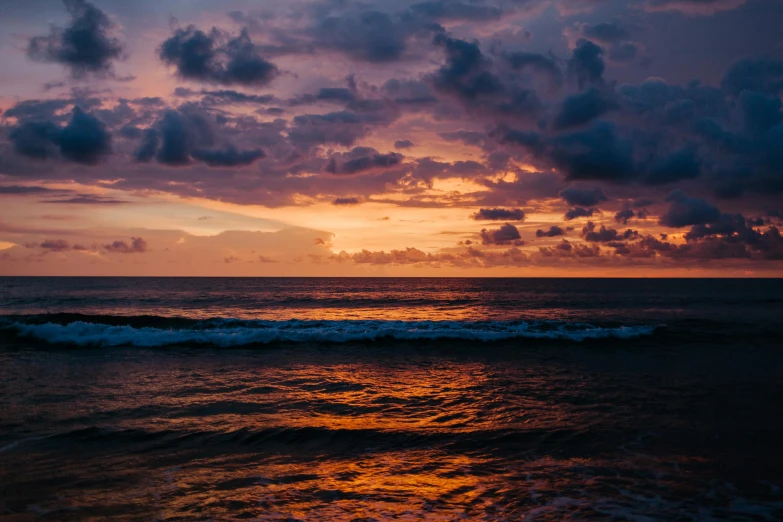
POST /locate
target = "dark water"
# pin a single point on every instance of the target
(384, 399)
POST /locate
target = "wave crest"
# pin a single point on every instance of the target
(231, 333)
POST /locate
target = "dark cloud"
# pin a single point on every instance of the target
(24, 190)
(148, 147)
(624, 216)
(136, 246)
(624, 52)
(553, 231)
(226, 96)
(177, 139)
(759, 112)
(597, 153)
(539, 63)
(566, 249)
(371, 36)
(466, 137)
(505, 235)
(586, 63)
(685, 210)
(37, 109)
(605, 32)
(85, 139)
(605, 235)
(341, 128)
(582, 196)
(456, 10)
(498, 214)
(86, 45)
(579, 212)
(346, 201)
(35, 139)
(336, 95)
(215, 57)
(87, 199)
(695, 7)
(679, 165)
(228, 156)
(584, 107)
(731, 237)
(754, 74)
(55, 245)
(467, 72)
(614, 36)
(410, 94)
(189, 134)
(403, 144)
(362, 159)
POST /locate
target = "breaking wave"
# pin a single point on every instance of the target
(117, 331)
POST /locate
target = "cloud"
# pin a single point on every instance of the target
(597, 153)
(679, 165)
(371, 36)
(177, 139)
(582, 108)
(86, 45)
(456, 10)
(566, 249)
(228, 156)
(685, 210)
(624, 216)
(586, 64)
(506, 234)
(693, 7)
(404, 144)
(85, 139)
(337, 95)
(185, 135)
(148, 147)
(579, 212)
(583, 197)
(55, 245)
(88, 199)
(467, 73)
(137, 245)
(606, 235)
(26, 190)
(605, 32)
(469, 257)
(763, 75)
(345, 201)
(553, 231)
(35, 139)
(362, 159)
(226, 96)
(341, 128)
(546, 65)
(498, 214)
(215, 57)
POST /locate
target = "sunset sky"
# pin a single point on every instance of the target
(400, 138)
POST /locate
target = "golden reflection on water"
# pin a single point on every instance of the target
(278, 436)
(448, 398)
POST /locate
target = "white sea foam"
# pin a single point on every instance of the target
(264, 332)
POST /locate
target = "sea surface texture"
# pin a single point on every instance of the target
(391, 399)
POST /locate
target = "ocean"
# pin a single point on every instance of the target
(391, 399)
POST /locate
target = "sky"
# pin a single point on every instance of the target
(639, 138)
